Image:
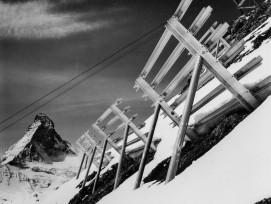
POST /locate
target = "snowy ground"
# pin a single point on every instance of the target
(237, 170)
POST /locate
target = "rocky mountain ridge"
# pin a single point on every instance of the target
(41, 143)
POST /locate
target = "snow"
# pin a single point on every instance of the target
(237, 170)
(168, 134)
(15, 149)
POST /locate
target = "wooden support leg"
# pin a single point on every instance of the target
(81, 164)
(174, 162)
(147, 147)
(89, 165)
(100, 167)
(86, 163)
(217, 69)
(117, 179)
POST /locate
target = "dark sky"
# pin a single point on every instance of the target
(45, 43)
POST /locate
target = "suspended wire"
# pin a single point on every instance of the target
(82, 73)
(92, 74)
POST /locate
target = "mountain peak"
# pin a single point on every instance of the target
(44, 120)
(41, 143)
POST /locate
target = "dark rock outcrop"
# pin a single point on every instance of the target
(43, 144)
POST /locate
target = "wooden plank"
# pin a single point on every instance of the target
(107, 112)
(218, 34)
(166, 108)
(207, 75)
(97, 145)
(115, 119)
(196, 25)
(85, 144)
(179, 77)
(124, 118)
(121, 126)
(214, 66)
(147, 147)
(124, 142)
(98, 131)
(251, 65)
(182, 8)
(156, 53)
(175, 158)
(230, 53)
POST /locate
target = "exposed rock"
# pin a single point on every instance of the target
(41, 143)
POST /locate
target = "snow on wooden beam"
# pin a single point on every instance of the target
(213, 65)
(196, 25)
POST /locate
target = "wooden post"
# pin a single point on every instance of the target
(81, 164)
(86, 163)
(117, 179)
(89, 165)
(174, 162)
(196, 25)
(213, 65)
(147, 147)
(100, 167)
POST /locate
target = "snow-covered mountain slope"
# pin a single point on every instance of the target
(237, 170)
(40, 161)
(223, 152)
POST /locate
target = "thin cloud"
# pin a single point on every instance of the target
(34, 20)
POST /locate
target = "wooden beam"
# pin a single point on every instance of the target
(156, 53)
(97, 145)
(251, 65)
(182, 8)
(115, 119)
(214, 66)
(175, 158)
(124, 118)
(206, 76)
(196, 25)
(89, 165)
(121, 126)
(146, 88)
(147, 147)
(124, 142)
(98, 131)
(107, 112)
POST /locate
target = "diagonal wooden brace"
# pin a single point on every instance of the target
(98, 131)
(196, 25)
(146, 88)
(213, 65)
(115, 119)
(132, 126)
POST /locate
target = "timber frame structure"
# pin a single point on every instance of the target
(206, 54)
(125, 123)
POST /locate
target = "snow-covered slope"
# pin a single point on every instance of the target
(237, 170)
(224, 172)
